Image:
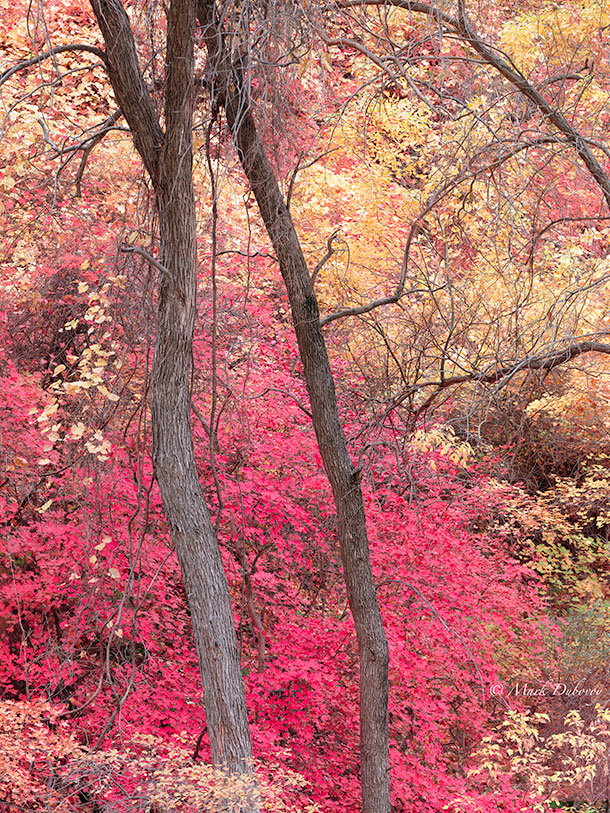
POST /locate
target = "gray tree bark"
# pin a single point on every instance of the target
(168, 160)
(227, 85)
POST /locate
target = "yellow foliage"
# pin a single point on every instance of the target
(442, 439)
(168, 778)
(32, 741)
(553, 34)
(43, 766)
(572, 763)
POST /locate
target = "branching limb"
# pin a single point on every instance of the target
(92, 142)
(502, 376)
(300, 167)
(59, 49)
(288, 394)
(445, 625)
(463, 28)
(416, 227)
(556, 118)
(206, 426)
(419, 8)
(330, 250)
(165, 275)
(66, 153)
(372, 305)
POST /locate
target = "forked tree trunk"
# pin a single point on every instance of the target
(343, 476)
(168, 158)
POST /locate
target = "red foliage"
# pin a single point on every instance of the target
(93, 609)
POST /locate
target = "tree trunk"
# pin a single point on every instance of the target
(342, 474)
(168, 159)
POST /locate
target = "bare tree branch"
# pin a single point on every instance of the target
(149, 259)
(503, 375)
(59, 49)
(464, 29)
(206, 427)
(88, 146)
(330, 250)
(516, 78)
(416, 227)
(288, 395)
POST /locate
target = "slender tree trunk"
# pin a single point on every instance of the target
(342, 474)
(168, 158)
(173, 453)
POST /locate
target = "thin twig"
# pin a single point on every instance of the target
(329, 253)
(59, 49)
